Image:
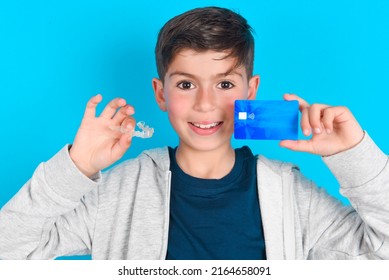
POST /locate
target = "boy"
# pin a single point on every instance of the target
(203, 199)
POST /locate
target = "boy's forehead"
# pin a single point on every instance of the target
(190, 53)
(189, 60)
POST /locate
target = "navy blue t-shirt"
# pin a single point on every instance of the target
(216, 218)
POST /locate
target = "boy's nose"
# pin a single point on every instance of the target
(205, 101)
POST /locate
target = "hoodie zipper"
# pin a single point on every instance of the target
(167, 217)
(288, 216)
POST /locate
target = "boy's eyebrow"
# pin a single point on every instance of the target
(229, 72)
(179, 73)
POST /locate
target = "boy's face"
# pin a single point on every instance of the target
(198, 93)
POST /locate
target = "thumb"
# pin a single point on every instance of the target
(121, 146)
(298, 145)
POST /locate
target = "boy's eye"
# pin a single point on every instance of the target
(225, 85)
(185, 85)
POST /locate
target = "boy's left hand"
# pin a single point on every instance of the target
(334, 129)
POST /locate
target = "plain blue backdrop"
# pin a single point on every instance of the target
(54, 55)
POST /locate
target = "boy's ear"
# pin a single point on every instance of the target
(158, 92)
(253, 87)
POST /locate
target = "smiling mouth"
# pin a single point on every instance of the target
(206, 126)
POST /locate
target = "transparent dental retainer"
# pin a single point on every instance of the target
(145, 132)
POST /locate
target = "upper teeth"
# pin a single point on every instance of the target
(206, 125)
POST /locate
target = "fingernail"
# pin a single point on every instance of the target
(328, 131)
(317, 130)
(306, 132)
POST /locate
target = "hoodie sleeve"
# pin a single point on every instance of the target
(360, 231)
(52, 215)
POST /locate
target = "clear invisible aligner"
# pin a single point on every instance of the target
(146, 131)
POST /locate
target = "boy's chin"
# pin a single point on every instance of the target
(205, 145)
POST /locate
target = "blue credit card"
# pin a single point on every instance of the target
(266, 119)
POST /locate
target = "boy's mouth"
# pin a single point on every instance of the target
(206, 126)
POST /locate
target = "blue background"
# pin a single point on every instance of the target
(54, 55)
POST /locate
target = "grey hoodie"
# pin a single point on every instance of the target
(124, 212)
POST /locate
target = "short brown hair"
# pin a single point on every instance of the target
(202, 29)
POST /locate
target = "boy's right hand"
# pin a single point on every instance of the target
(96, 145)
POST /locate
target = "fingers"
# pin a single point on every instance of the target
(316, 118)
(125, 138)
(110, 110)
(328, 118)
(334, 128)
(316, 113)
(117, 110)
(90, 111)
(123, 113)
(321, 118)
(128, 125)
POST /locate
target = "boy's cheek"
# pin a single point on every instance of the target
(176, 107)
(229, 111)
(230, 104)
(230, 108)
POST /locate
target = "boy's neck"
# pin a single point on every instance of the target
(213, 164)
